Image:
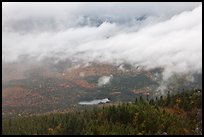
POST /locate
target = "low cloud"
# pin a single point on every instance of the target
(104, 80)
(166, 35)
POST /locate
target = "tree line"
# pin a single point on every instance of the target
(172, 114)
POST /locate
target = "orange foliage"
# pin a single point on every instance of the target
(85, 84)
(176, 111)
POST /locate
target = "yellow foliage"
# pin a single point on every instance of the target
(178, 101)
(136, 119)
(100, 114)
(139, 133)
(50, 131)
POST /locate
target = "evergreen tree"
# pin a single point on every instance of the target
(136, 100)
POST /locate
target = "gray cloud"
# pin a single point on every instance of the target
(118, 9)
(56, 16)
(148, 34)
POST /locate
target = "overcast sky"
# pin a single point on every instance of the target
(149, 34)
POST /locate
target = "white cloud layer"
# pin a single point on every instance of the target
(153, 35)
(104, 80)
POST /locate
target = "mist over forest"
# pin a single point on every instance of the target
(69, 57)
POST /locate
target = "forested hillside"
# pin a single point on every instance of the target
(171, 114)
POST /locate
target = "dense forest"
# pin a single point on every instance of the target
(172, 114)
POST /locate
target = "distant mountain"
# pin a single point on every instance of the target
(38, 24)
(49, 86)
